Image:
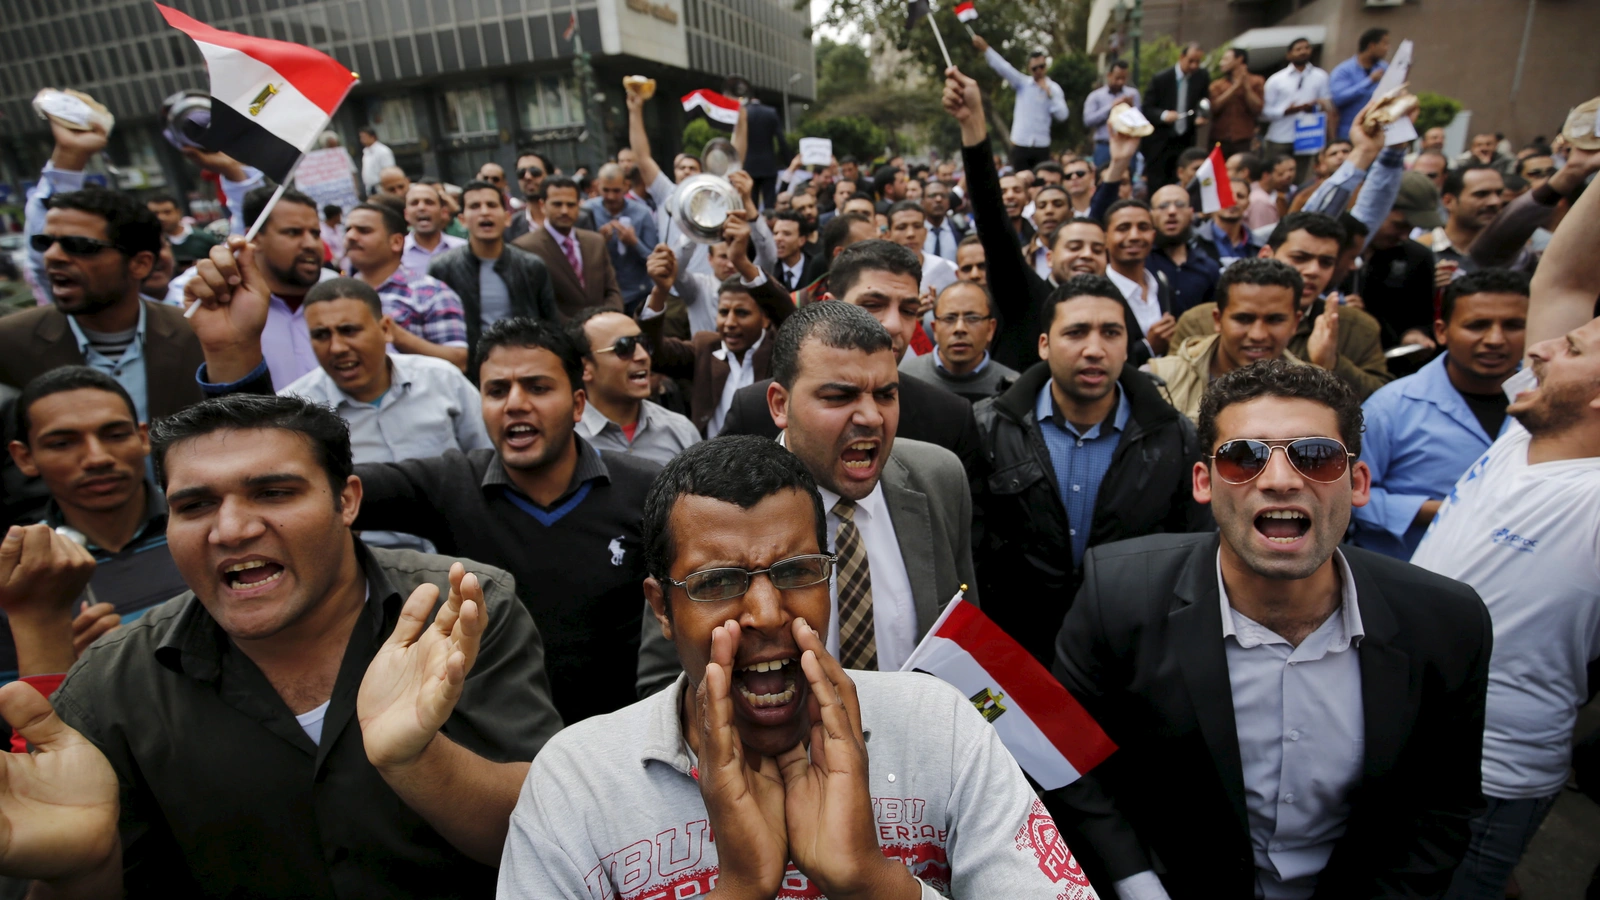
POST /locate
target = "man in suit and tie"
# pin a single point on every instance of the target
(1172, 106)
(580, 267)
(1294, 719)
(898, 512)
(884, 279)
(761, 146)
(796, 267)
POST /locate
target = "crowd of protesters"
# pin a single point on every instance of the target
(506, 538)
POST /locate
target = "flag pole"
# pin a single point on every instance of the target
(970, 32)
(940, 38)
(255, 227)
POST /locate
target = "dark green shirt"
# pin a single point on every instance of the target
(223, 794)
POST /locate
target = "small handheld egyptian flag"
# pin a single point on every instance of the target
(1212, 190)
(269, 99)
(916, 11)
(965, 11)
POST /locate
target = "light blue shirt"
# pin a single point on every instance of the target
(1080, 461)
(632, 276)
(1377, 198)
(1302, 737)
(1420, 437)
(128, 371)
(1352, 87)
(1036, 106)
(494, 298)
(1097, 108)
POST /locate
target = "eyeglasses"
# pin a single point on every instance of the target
(717, 585)
(1320, 459)
(1173, 204)
(626, 346)
(71, 243)
(971, 320)
(530, 172)
(1036, 68)
(1538, 173)
(974, 267)
(1074, 176)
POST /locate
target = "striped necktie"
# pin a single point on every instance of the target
(858, 649)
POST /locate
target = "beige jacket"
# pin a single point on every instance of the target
(1187, 370)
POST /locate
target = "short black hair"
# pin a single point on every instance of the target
(1077, 286)
(60, 380)
(734, 284)
(1269, 162)
(1521, 163)
(1354, 228)
(1369, 37)
(319, 426)
(256, 201)
(1053, 235)
(988, 298)
(130, 225)
(346, 289)
(1050, 165)
(1455, 180)
(800, 221)
(883, 177)
(1316, 224)
(367, 129)
(1298, 40)
(1120, 205)
(1281, 378)
(902, 206)
(393, 222)
(1058, 188)
(842, 326)
(1483, 281)
(521, 331)
(874, 255)
(1117, 64)
(1258, 271)
(477, 185)
(560, 181)
(836, 232)
(1253, 165)
(331, 210)
(1192, 155)
(162, 198)
(1240, 54)
(741, 469)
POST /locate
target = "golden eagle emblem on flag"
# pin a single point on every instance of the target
(262, 99)
(988, 703)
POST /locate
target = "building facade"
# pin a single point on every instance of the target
(448, 84)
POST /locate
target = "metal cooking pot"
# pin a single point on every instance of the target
(701, 205)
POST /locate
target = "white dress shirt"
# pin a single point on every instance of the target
(1291, 87)
(1144, 300)
(894, 612)
(791, 274)
(741, 372)
(1035, 105)
(375, 157)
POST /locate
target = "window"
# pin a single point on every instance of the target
(470, 112)
(550, 101)
(396, 122)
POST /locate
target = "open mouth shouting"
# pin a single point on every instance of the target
(520, 436)
(860, 458)
(1283, 527)
(639, 378)
(770, 692)
(251, 576)
(63, 284)
(347, 369)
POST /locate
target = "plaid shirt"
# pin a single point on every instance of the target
(424, 306)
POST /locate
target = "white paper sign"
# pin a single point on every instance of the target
(1400, 131)
(815, 151)
(325, 176)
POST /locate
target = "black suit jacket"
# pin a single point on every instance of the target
(1142, 649)
(811, 268)
(1162, 96)
(764, 130)
(928, 413)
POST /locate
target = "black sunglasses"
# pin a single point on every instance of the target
(717, 585)
(1320, 459)
(530, 172)
(627, 346)
(71, 243)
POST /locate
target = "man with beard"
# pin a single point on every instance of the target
(426, 313)
(98, 247)
(751, 773)
(1473, 195)
(428, 215)
(1425, 430)
(1292, 718)
(1189, 270)
(1224, 235)
(1118, 458)
(898, 511)
(561, 516)
(1520, 528)
(532, 169)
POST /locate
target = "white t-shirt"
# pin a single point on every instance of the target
(311, 722)
(1527, 539)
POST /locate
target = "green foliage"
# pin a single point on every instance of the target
(1435, 110)
(697, 134)
(851, 135)
(1077, 76)
(842, 69)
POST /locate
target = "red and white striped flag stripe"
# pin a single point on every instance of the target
(1211, 182)
(269, 99)
(965, 11)
(1049, 733)
(718, 108)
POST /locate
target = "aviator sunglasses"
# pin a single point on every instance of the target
(1320, 459)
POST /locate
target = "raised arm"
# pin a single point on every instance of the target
(1505, 237)
(998, 63)
(1564, 289)
(638, 139)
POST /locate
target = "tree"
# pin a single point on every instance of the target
(1435, 110)
(1077, 75)
(842, 69)
(1156, 56)
(698, 133)
(851, 135)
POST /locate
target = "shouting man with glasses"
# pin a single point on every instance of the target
(1178, 256)
(1292, 717)
(963, 326)
(750, 776)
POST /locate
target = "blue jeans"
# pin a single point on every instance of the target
(1499, 838)
(1102, 154)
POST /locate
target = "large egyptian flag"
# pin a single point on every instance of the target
(269, 99)
(1049, 733)
(719, 108)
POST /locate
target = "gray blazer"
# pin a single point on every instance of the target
(930, 505)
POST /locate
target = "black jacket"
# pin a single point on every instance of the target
(1162, 95)
(1143, 650)
(928, 413)
(764, 129)
(1020, 543)
(526, 278)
